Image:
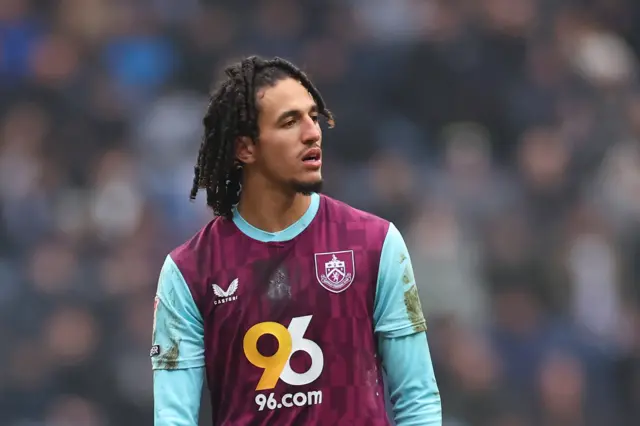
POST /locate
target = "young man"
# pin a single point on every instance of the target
(291, 303)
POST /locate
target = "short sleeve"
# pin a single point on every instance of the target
(397, 310)
(178, 329)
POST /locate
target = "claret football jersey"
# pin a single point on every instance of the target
(286, 324)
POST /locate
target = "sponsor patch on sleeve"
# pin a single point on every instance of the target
(155, 350)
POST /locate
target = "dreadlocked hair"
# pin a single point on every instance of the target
(233, 113)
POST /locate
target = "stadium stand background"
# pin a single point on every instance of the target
(501, 136)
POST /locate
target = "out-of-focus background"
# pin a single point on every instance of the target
(501, 136)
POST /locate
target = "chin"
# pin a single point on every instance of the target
(308, 187)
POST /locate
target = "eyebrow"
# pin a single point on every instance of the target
(295, 113)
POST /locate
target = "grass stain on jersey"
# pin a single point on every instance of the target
(407, 276)
(414, 309)
(168, 359)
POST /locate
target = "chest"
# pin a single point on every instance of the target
(279, 281)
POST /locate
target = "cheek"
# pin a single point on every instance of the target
(280, 152)
(278, 160)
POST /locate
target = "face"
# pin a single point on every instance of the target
(288, 151)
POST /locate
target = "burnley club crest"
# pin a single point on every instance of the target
(335, 271)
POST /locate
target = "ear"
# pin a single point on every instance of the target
(245, 150)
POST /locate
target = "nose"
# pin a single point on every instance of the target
(311, 132)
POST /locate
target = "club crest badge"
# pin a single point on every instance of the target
(335, 271)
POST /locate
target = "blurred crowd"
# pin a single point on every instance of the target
(502, 137)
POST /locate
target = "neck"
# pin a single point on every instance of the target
(271, 209)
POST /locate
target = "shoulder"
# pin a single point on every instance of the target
(341, 211)
(195, 254)
(366, 229)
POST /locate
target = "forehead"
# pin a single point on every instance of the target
(285, 95)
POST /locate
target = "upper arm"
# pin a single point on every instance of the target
(178, 329)
(397, 310)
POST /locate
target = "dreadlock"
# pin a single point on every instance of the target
(232, 113)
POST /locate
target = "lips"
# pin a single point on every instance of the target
(312, 159)
(314, 154)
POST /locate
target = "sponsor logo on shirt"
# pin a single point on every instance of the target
(155, 350)
(277, 366)
(227, 296)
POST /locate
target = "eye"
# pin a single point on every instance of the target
(315, 117)
(289, 124)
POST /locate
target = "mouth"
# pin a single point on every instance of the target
(313, 158)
